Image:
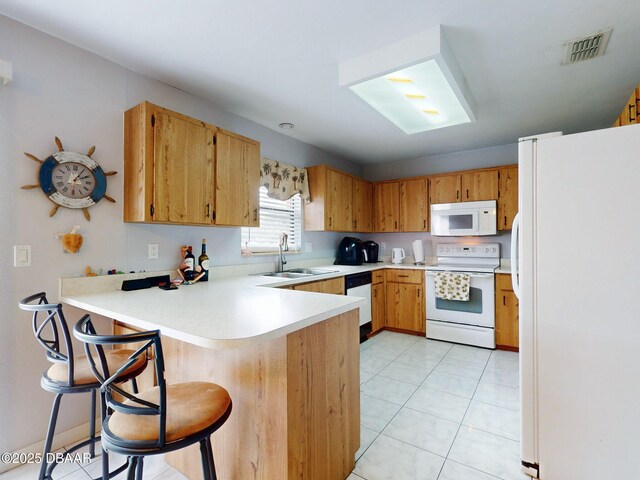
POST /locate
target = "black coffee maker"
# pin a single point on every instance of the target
(350, 252)
(372, 250)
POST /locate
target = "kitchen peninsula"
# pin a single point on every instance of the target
(289, 359)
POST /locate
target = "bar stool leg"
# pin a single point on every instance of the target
(51, 430)
(139, 468)
(212, 466)
(92, 425)
(204, 457)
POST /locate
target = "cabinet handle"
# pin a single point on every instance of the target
(208, 210)
(330, 221)
(418, 293)
(355, 224)
(375, 294)
(467, 193)
(424, 224)
(457, 194)
(505, 220)
(403, 276)
(634, 118)
(396, 224)
(255, 214)
(504, 300)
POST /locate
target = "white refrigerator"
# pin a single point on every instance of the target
(576, 243)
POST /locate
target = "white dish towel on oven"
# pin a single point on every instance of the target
(452, 286)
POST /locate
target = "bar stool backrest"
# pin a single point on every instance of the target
(85, 331)
(56, 339)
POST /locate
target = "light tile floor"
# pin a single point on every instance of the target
(434, 410)
(429, 411)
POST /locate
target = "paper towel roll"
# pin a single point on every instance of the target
(418, 251)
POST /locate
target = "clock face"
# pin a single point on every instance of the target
(73, 180)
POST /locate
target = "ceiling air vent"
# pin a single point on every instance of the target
(587, 48)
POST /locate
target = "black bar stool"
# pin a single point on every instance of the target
(162, 419)
(70, 374)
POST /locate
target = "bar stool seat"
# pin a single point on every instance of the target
(191, 408)
(83, 375)
(72, 374)
(161, 419)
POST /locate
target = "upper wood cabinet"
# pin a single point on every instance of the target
(444, 189)
(479, 185)
(339, 202)
(362, 205)
(387, 207)
(507, 196)
(629, 114)
(414, 205)
(237, 183)
(180, 170)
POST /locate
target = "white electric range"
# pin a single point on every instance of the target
(469, 322)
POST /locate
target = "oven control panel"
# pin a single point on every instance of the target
(483, 250)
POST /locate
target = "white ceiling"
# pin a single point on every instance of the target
(277, 61)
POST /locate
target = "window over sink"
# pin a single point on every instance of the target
(276, 217)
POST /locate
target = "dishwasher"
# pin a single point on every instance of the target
(359, 285)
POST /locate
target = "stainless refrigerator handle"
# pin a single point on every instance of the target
(515, 233)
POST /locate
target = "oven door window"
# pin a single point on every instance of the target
(474, 305)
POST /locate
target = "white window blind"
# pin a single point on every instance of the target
(276, 217)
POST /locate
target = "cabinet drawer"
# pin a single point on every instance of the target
(377, 276)
(503, 282)
(404, 276)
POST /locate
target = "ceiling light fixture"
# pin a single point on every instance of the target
(286, 126)
(415, 83)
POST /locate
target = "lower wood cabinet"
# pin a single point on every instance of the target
(404, 300)
(146, 379)
(377, 301)
(332, 285)
(507, 329)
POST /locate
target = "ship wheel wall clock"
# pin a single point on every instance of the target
(71, 180)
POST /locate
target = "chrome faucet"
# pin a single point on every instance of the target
(283, 246)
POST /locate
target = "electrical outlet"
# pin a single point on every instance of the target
(153, 251)
(308, 247)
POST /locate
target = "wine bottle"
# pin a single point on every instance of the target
(190, 261)
(203, 261)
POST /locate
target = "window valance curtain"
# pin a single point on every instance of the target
(283, 181)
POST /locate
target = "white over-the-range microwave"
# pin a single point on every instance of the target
(464, 219)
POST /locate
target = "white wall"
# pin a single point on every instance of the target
(60, 90)
(448, 162)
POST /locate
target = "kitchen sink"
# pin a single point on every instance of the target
(298, 273)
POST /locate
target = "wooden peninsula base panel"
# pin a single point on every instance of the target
(296, 403)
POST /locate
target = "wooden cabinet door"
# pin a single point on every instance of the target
(377, 307)
(444, 189)
(507, 328)
(507, 196)
(405, 306)
(334, 286)
(479, 185)
(362, 205)
(414, 206)
(183, 171)
(339, 198)
(387, 207)
(237, 181)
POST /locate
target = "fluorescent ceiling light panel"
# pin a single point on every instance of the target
(415, 83)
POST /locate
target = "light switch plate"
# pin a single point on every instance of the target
(22, 255)
(153, 251)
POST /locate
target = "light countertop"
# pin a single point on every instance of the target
(229, 312)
